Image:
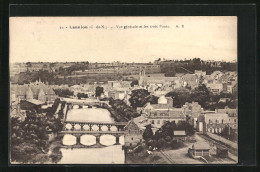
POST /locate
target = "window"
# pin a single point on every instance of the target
(132, 138)
(235, 120)
(222, 121)
(158, 122)
(152, 121)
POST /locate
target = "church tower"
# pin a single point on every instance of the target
(141, 77)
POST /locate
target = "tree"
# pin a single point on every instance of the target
(161, 143)
(134, 82)
(183, 125)
(148, 133)
(28, 65)
(180, 97)
(99, 91)
(170, 72)
(63, 92)
(201, 95)
(152, 99)
(82, 95)
(168, 128)
(138, 98)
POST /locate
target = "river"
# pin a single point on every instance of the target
(109, 154)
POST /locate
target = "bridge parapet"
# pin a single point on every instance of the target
(97, 134)
(95, 123)
(88, 126)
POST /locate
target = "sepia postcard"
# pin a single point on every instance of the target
(123, 90)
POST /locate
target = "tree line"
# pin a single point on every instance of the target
(122, 109)
(164, 137)
(203, 96)
(170, 68)
(30, 138)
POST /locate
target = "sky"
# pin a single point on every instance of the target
(55, 39)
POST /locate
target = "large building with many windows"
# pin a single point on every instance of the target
(38, 91)
(158, 114)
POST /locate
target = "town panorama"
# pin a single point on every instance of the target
(160, 112)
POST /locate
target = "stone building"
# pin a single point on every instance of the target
(133, 134)
(212, 122)
(158, 80)
(233, 117)
(158, 114)
(190, 80)
(199, 149)
(40, 92)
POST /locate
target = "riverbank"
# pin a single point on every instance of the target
(55, 153)
(144, 158)
(98, 145)
(114, 114)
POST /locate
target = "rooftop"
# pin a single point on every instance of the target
(201, 146)
(179, 133)
(36, 102)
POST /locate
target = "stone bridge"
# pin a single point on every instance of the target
(87, 103)
(79, 129)
(97, 134)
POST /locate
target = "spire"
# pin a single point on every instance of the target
(41, 95)
(29, 94)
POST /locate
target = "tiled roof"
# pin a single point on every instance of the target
(201, 146)
(34, 101)
(176, 112)
(20, 90)
(141, 121)
(179, 133)
(160, 106)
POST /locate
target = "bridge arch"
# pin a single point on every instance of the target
(88, 140)
(69, 139)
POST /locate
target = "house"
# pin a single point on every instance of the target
(191, 80)
(117, 94)
(200, 72)
(212, 122)
(215, 88)
(158, 114)
(179, 135)
(200, 124)
(133, 134)
(157, 80)
(217, 74)
(141, 122)
(37, 91)
(193, 111)
(233, 117)
(199, 149)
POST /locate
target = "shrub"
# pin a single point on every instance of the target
(177, 145)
